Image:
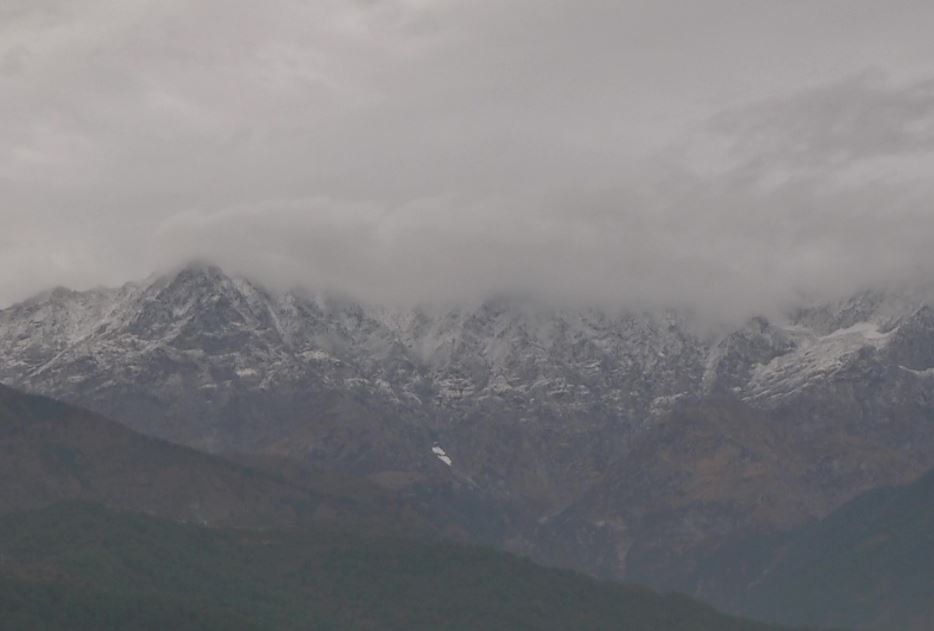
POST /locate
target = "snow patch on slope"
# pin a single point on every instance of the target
(866, 330)
(441, 455)
(815, 358)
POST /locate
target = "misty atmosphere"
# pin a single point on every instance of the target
(437, 314)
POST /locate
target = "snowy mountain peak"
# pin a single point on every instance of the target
(533, 404)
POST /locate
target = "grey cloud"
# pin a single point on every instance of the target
(725, 252)
(413, 150)
(863, 116)
(13, 60)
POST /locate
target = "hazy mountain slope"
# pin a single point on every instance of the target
(46, 603)
(319, 579)
(707, 471)
(536, 413)
(204, 359)
(51, 451)
(868, 565)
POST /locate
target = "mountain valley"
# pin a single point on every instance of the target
(624, 444)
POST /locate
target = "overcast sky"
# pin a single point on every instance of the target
(729, 154)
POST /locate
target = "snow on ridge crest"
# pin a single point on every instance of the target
(630, 362)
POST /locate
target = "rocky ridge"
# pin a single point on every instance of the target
(606, 436)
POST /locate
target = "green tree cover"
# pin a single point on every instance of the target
(867, 565)
(79, 566)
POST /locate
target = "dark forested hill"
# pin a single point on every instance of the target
(102, 528)
(78, 566)
(52, 451)
(868, 565)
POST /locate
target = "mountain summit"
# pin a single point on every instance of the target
(608, 439)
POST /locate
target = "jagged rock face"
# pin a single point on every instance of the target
(594, 426)
(218, 362)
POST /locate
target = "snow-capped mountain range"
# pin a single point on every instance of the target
(608, 432)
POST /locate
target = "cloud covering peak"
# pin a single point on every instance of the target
(729, 155)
